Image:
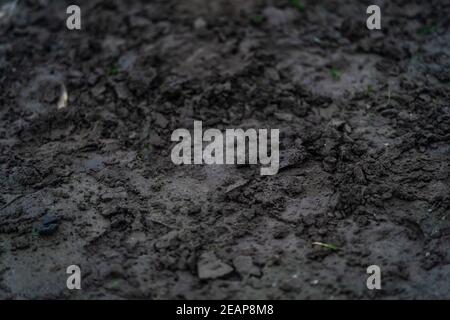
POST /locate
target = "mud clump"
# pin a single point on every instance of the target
(210, 267)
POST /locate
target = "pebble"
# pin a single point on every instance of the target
(211, 267)
(49, 226)
(199, 23)
(244, 265)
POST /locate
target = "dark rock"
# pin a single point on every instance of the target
(49, 226)
(50, 219)
(210, 267)
(48, 230)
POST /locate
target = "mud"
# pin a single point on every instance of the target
(85, 171)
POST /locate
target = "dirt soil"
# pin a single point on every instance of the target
(86, 176)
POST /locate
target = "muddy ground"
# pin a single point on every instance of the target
(364, 118)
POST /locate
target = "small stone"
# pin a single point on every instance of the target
(244, 265)
(48, 230)
(50, 219)
(210, 267)
(199, 23)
